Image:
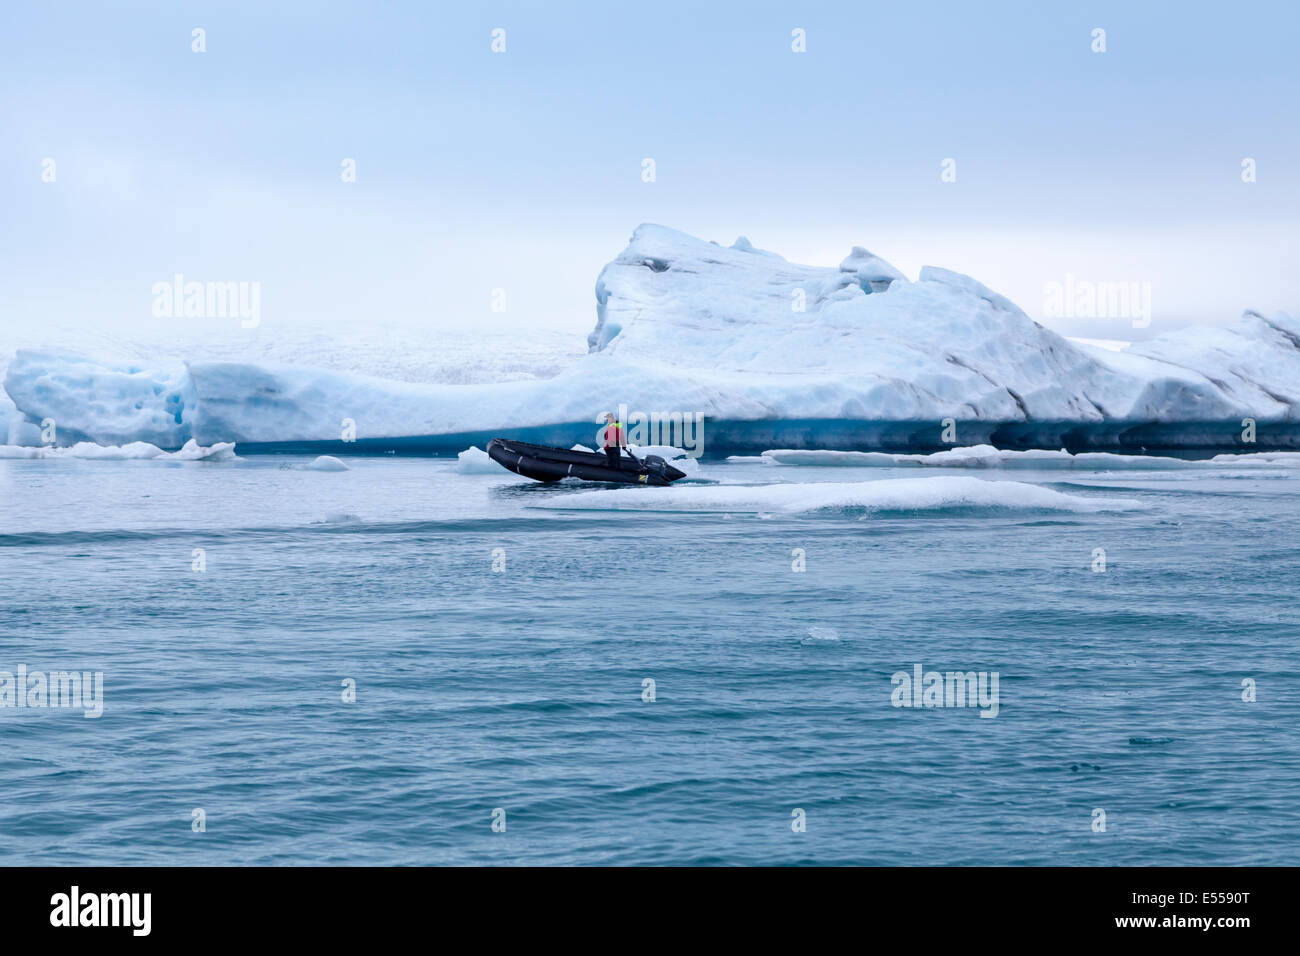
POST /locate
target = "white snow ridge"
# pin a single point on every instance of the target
(774, 354)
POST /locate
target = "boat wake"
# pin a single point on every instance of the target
(903, 495)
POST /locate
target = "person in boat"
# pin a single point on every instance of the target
(615, 440)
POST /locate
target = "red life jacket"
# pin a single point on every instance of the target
(611, 435)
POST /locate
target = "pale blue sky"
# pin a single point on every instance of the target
(522, 170)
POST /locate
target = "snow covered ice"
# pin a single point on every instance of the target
(326, 463)
(475, 461)
(987, 456)
(772, 352)
(133, 451)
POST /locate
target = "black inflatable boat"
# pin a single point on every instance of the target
(551, 464)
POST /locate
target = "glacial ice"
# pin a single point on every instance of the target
(475, 461)
(326, 463)
(772, 352)
(987, 456)
(132, 451)
(105, 403)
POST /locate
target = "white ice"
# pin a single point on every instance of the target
(734, 333)
(326, 463)
(475, 461)
(987, 456)
(132, 451)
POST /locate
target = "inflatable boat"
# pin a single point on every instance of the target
(552, 464)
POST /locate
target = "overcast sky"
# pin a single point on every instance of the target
(522, 170)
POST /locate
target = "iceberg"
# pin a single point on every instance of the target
(132, 451)
(987, 456)
(326, 463)
(475, 461)
(109, 404)
(773, 354)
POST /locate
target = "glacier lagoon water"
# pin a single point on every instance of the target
(522, 688)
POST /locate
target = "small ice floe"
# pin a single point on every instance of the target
(327, 463)
(132, 451)
(339, 518)
(821, 635)
(475, 461)
(193, 451)
(988, 456)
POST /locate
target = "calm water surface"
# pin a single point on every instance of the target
(522, 688)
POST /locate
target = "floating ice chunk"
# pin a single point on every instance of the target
(987, 456)
(340, 517)
(193, 451)
(136, 450)
(1272, 458)
(826, 459)
(132, 451)
(821, 635)
(326, 463)
(475, 461)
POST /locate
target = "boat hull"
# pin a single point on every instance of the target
(541, 463)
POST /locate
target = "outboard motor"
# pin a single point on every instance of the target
(655, 465)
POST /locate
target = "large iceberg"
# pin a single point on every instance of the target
(773, 354)
(107, 403)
